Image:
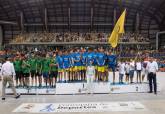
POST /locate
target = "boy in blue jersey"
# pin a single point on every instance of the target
(101, 65)
(106, 65)
(74, 69)
(90, 58)
(46, 69)
(71, 69)
(84, 62)
(77, 64)
(112, 63)
(95, 54)
(66, 65)
(60, 65)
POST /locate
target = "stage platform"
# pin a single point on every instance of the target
(33, 91)
(98, 87)
(81, 88)
(102, 88)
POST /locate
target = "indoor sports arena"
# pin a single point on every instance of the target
(82, 56)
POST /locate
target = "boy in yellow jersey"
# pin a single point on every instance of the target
(59, 60)
(66, 65)
(71, 72)
(101, 65)
(77, 64)
(84, 63)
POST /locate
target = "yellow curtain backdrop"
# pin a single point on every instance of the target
(118, 30)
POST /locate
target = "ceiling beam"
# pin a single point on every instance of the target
(91, 24)
(91, 14)
(3, 22)
(46, 19)
(69, 19)
(22, 21)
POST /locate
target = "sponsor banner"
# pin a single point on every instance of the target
(79, 107)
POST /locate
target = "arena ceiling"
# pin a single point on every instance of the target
(80, 15)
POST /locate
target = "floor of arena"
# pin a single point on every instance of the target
(153, 104)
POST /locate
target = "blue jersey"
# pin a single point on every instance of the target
(66, 61)
(90, 58)
(101, 59)
(77, 59)
(112, 60)
(59, 60)
(84, 58)
(95, 54)
(71, 56)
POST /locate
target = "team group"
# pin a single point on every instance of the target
(68, 65)
(63, 66)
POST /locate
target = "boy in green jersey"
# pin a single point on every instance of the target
(53, 71)
(39, 69)
(26, 71)
(17, 66)
(46, 69)
(33, 68)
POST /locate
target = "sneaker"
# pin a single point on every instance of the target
(18, 95)
(3, 99)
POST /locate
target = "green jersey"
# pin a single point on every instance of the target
(33, 64)
(39, 64)
(17, 65)
(45, 65)
(53, 63)
(25, 66)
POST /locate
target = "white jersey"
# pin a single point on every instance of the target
(127, 68)
(121, 68)
(152, 67)
(132, 65)
(138, 66)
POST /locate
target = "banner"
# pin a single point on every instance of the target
(79, 107)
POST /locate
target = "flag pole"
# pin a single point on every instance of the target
(120, 46)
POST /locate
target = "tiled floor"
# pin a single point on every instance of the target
(153, 103)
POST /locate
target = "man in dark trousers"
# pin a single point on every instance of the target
(152, 68)
(7, 72)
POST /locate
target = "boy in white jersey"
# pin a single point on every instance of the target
(121, 71)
